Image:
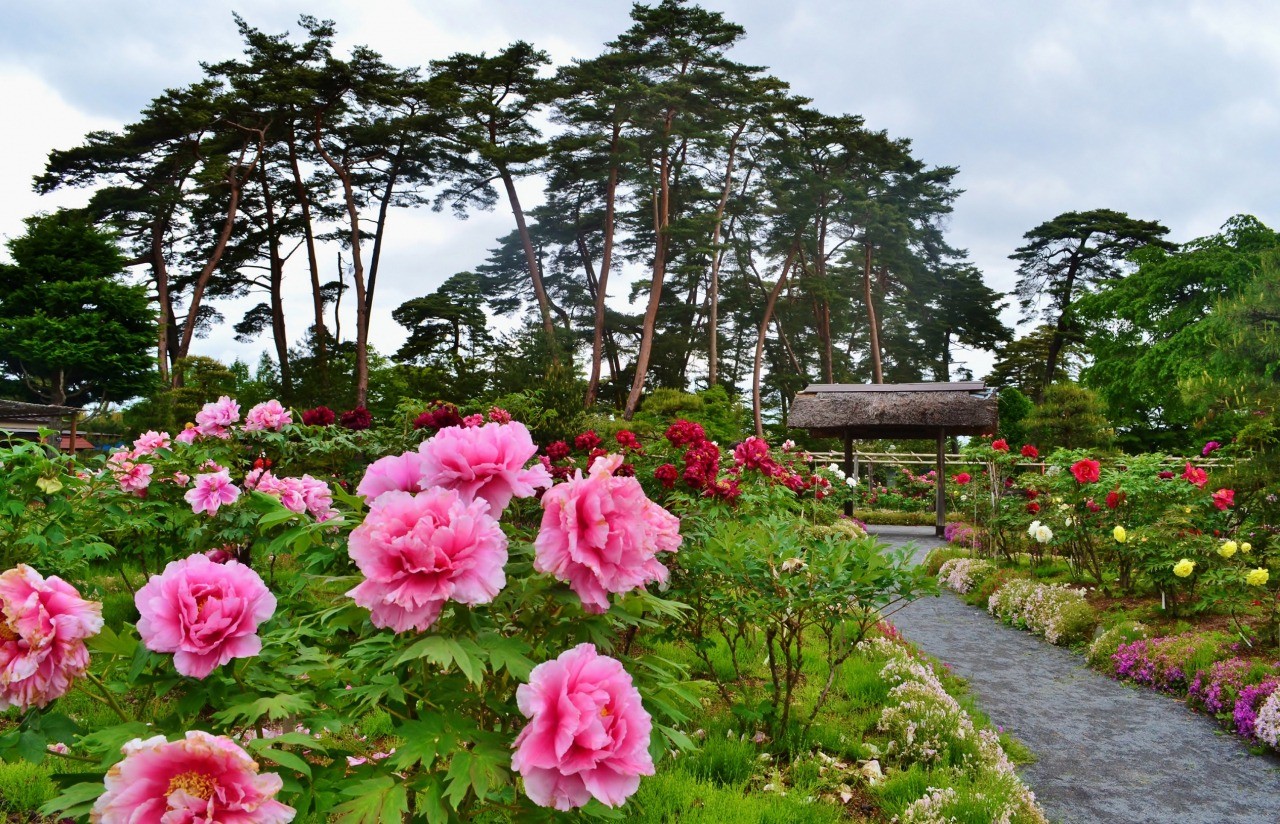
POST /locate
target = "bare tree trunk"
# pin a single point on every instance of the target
(276, 263)
(713, 317)
(764, 330)
(236, 182)
(877, 368)
(320, 332)
(606, 263)
(1059, 339)
(160, 271)
(661, 221)
(393, 175)
(357, 269)
(531, 260)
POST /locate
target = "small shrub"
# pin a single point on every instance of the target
(1168, 663)
(24, 787)
(938, 556)
(1106, 644)
(1059, 614)
(963, 574)
(891, 517)
(981, 594)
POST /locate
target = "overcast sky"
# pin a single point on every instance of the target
(1166, 110)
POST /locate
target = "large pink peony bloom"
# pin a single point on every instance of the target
(267, 416)
(211, 491)
(216, 417)
(601, 534)
(588, 733)
(200, 779)
(133, 477)
(418, 551)
(484, 462)
(149, 442)
(394, 472)
(43, 624)
(305, 494)
(204, 613)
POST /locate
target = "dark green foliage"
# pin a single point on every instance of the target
(71, 331)
(1013, 407)
(1069, 417)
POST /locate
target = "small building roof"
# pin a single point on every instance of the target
(19, 411)
(894, 410)
(81, 443)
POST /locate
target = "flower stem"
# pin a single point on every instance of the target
(110, 699)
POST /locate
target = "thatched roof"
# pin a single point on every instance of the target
(37, 412)
(894, 410)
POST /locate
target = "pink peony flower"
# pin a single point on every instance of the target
(216, 417)
(267, 416)
(484, 462)
(499, 415)
(588, 732)
(187, 435)
(418, 551)
(149, 442)
(318, 497)
(393, 473)
(962, 478)
(211, 491)
(600, 534)
(200, 779)
(134, 477)
(473, 420)
(43, 625)
(205, 613)
(1223, 499)
(288, 490)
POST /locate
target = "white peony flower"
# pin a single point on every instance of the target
(1043, 534)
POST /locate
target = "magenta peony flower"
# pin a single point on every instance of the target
(588, 732)
(1224, 498)
(149, 442)
(1210, 448)
(205, 613)
(211, 491)
(200, 779)
(394, 472)
(752, 453)
(216, 417)
(418, 551)
(43, 624)
(1086, 471)
(600, 534)
(268, 416)
(484, 462)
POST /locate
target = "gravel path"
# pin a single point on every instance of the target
(1107, 752)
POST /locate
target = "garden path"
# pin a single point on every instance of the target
(1107, 752)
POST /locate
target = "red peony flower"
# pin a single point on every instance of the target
(438, 416)
(357, 419)
(1000, 446)
(685, 433)
(1195, 475)
(320, 416)
(1086, 471)
(1033, 507)
(1223, 499)
(557, 451)
(587, 440)
(667, 475)
(1092, 506)
(1029, 451)
(1033, 493)
(1164, 474)
(962, 478)
(1114, 498)
(627, 440)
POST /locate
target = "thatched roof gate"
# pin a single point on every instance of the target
(908, 411)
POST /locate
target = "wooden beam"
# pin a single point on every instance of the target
(848, 470)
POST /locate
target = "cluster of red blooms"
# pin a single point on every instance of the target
(358, 418)
(702, 465)
(557, 458)
(439, 415)
(320, 416)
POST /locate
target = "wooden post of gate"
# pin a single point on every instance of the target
(848, 469)
(940, 485)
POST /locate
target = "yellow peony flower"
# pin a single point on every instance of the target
(1120, 535)
(1183, 568)
(1227, 549)
(1187, 510)
(1245, 547)
(49, 485)
(1257, 577)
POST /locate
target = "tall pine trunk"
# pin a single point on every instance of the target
(661, 221)
(606, 263)
(769, 305)
(713, 308)
(531, 260)
(873, 325)
(320, 332)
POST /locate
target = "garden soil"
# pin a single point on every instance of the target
(1107, 753)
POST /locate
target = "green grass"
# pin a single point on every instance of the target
(25, 786)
